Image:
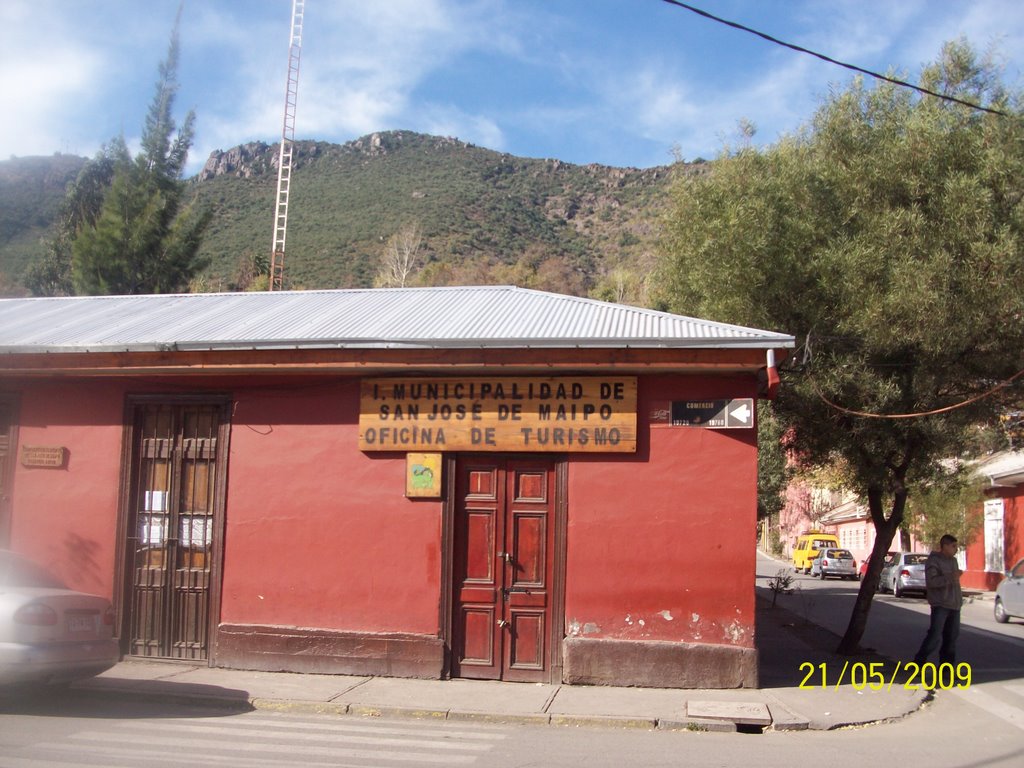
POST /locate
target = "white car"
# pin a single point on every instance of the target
(903, 573)
(49, 633)
(834, 562)
(1010, 595)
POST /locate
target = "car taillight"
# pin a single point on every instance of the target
(36, 615)
(824, 562)
(904, 572)
(108, 617)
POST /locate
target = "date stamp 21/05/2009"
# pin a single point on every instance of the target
(875, 676)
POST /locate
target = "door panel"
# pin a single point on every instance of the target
(170, 530)
(503, 568)
(478, 587)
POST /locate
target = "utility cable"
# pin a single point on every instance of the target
(830, 60)
(948, 408)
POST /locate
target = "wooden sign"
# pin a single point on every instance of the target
(559, 414)
(43, 456)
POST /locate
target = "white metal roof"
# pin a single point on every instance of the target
(448, 317)
(1003, 468)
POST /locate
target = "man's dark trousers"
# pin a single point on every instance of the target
(943, 629)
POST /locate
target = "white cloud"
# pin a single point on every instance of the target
(475, 129)
(41, 89)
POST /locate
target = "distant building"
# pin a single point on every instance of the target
(1001, 542)
(442, 482)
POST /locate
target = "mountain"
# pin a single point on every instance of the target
(484, 216)
(31, 189)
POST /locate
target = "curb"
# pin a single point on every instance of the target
(782, 718)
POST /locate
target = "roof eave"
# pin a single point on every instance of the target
(785, 342)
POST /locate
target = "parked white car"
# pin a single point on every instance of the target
(49, 633)
(834, 562)
(1010, 595)
(903, 573)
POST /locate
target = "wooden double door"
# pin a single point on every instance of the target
(175, 512)
(505, 597)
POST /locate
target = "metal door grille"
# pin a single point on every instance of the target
(170, 530)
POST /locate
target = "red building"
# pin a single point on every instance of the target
(1000, 543)
(469, 482)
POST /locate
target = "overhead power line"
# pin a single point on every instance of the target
(934, 412)
(830, 60)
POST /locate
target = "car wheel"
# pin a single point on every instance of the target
(897, 590)
(823, 575)
(1000, 613)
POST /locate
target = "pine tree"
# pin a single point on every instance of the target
(146, 236)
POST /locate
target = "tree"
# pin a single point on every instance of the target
(81, 207)
(772, 472)
(950, 506)
(888, 236)
(146, 236)
(401, 257)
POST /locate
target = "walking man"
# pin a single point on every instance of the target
(942, 582)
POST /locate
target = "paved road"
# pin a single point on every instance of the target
(995, 652)
(78, 730)
(82, 729)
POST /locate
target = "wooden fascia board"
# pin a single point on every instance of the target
(360, 361)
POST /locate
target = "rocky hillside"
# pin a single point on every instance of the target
(485, 216)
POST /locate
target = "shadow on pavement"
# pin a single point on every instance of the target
(161, 699)
(792, 650)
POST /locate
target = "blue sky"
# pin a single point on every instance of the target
(617, 82)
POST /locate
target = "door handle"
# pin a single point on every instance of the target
(502, 623)
(506, 556)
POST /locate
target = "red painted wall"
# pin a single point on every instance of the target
(975, 576)
(66, 518)
(319, 533)
(661, 546)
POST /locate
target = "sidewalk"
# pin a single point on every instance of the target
(784, 640)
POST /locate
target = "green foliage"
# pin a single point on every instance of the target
(888, 236)
(485, 216)
(772, 471)
(144, 237)
(31, 190)
(948, 506)
(80, 208)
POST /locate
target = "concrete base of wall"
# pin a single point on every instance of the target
(319, 651)
(658, 664)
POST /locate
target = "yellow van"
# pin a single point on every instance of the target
(807, 546)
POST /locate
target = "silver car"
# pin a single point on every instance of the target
(1010, 595)
(903, 573)
(834, 562)
(49, 633)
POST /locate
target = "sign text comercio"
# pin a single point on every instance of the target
(557, 414)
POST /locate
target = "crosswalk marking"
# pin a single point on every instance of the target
(261, 740)
(192, 728)
(341, 724)
(994, 705)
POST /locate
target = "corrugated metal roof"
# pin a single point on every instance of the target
(483, 316)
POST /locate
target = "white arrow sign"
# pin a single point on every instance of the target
(742, 413)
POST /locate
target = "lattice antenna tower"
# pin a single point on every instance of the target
(284, 164)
